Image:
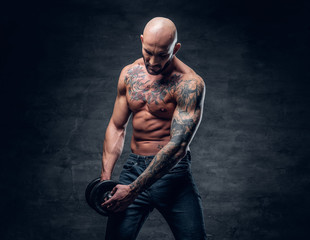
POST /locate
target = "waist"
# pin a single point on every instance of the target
(146, 160)
(149, 147)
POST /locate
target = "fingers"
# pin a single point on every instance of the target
(106, 203)
(112, 205)
(114, 190)
(120, 199)
(112, 199)
(109, 202)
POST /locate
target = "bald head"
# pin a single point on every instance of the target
(159, 44)
(161, 31)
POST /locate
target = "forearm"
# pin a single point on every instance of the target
(164, 160)
(112, 149)
(184, 124)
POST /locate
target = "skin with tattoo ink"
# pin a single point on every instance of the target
(165, 99)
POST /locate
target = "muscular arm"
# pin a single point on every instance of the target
(185, 121)
(115, 132)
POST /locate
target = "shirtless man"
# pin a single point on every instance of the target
(165, 98)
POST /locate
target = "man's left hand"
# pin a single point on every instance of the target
(122, 197)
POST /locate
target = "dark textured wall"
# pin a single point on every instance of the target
(60, 61)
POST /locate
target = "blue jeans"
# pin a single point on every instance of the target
(175, 196)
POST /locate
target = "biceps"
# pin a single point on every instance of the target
(184, 125)
(121, 112)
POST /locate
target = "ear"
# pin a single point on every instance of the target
(141, 38)
(176, 48)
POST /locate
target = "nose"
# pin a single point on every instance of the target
(153, 61)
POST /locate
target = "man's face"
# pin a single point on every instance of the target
(156, 58)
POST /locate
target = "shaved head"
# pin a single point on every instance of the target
(159, 44)
(161, 30)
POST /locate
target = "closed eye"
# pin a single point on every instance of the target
(148, 52)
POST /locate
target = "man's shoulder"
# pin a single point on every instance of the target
(189, 76)
(131, 69)
(191, 80)
(136, 64)
(191, 87)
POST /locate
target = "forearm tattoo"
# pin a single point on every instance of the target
(185, 121)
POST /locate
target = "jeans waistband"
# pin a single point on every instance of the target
(148, 159)
(141, 159)
(136, 156)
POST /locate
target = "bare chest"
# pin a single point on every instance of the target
(155, 96)
(157, 101)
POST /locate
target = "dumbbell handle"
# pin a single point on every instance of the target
(107, 196)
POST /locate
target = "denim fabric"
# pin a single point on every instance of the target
(175, 196)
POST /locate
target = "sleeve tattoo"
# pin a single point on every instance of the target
(185, 121)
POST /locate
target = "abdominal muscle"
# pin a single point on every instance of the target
(150, 133)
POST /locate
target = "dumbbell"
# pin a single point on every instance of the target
(98, 192)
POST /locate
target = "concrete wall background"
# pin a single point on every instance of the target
(60, 61)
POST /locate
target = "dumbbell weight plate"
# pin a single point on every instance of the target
(99, 193)
(88, 190)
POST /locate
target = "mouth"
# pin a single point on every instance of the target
(153, 71)
(154, 68)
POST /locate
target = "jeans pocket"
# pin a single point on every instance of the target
(181, 167)
(129, 164)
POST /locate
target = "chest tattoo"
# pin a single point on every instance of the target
(141, 88)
